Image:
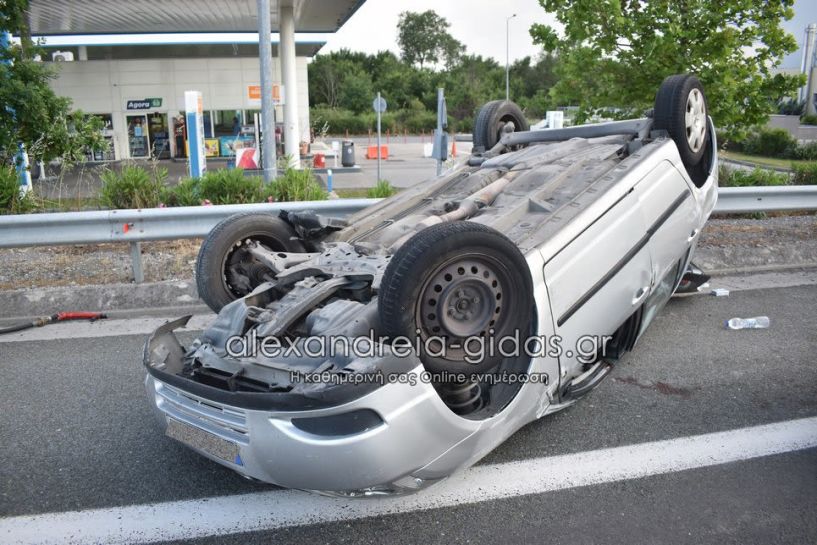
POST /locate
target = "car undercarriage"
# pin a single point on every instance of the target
(408, 287)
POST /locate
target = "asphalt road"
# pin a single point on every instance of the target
(76, 434)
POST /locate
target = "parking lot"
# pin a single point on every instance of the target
(635, 461)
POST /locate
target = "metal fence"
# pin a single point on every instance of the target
(735, 200)
(137, 226)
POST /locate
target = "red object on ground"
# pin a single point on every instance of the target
(371, 152)
(63, 316)
(319, 161)
(454, 148)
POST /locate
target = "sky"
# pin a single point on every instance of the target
(480, 25)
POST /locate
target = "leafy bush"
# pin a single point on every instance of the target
(810, 119)
(186, 193)
(807, 152)
(770, 142)
(230, 186)
(381, 190)
(804, 174)
(132, 187)
(10, 200)
(738, 177)
(415, 121)
(341, 121)
(296, 185)
(233, 187)
(412, 120)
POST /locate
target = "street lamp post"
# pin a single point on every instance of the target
(508, 57)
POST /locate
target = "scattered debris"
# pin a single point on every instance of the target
(758, 322)
(720, 292)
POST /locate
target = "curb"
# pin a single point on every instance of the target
(727, 162)
(109, 298)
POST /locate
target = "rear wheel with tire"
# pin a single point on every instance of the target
(680, 109)
(453, 282)
(226, 270)
(491, 121)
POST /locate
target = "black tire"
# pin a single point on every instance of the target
(218, 258)
(490, 120)
(671, 105)
(497, 282)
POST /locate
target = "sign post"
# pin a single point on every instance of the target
(379, 106)
(195, 133)
(440, 147)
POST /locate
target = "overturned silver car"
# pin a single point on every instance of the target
(381, 353)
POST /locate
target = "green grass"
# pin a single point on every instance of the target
(356, 192)
(352, 192)
(381, 190)
(762, 161)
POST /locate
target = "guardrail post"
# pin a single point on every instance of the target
(136, 262)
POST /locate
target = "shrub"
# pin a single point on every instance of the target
(381, 190)
(296, 185)
(770, 142)
(807, 152)
(737, 177)
(810, 119)
(412, 120)
(186, 193)
(132, 187)
(804, 174)
(230, 186)
(11, 202)
(339, 121)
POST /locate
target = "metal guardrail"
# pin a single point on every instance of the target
(148, 224)
(736, 200)
(137, 226)
(141, 225)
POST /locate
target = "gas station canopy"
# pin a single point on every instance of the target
(66, 17)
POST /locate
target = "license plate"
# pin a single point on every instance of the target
(203, 440)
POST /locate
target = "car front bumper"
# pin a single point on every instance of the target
(407, 450)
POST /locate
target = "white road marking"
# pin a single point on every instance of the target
(217, 516)
(103, 328)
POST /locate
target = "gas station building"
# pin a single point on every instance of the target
(135, 83)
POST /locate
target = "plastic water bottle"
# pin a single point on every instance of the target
(758, 322)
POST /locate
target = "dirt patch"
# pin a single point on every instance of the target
(735, 243)
(95, 264)
(660, 387)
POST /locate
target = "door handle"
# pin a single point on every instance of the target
(692, 235)
(640, 294)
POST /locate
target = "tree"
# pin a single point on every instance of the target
(424, 39)
(614, 54)
(357, 93)
(32, 113)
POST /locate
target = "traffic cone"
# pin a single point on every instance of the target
(454, 148)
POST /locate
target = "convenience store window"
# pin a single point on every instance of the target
(227, 122)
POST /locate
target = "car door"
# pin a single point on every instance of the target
(672, 219)
(598, 280)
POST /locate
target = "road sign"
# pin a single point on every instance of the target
(254, 93)
(379, 104)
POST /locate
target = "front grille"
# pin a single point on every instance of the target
(228, 422)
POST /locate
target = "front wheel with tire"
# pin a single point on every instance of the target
(452, 284)
(226, 270)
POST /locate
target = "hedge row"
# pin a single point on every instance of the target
(339, 121)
